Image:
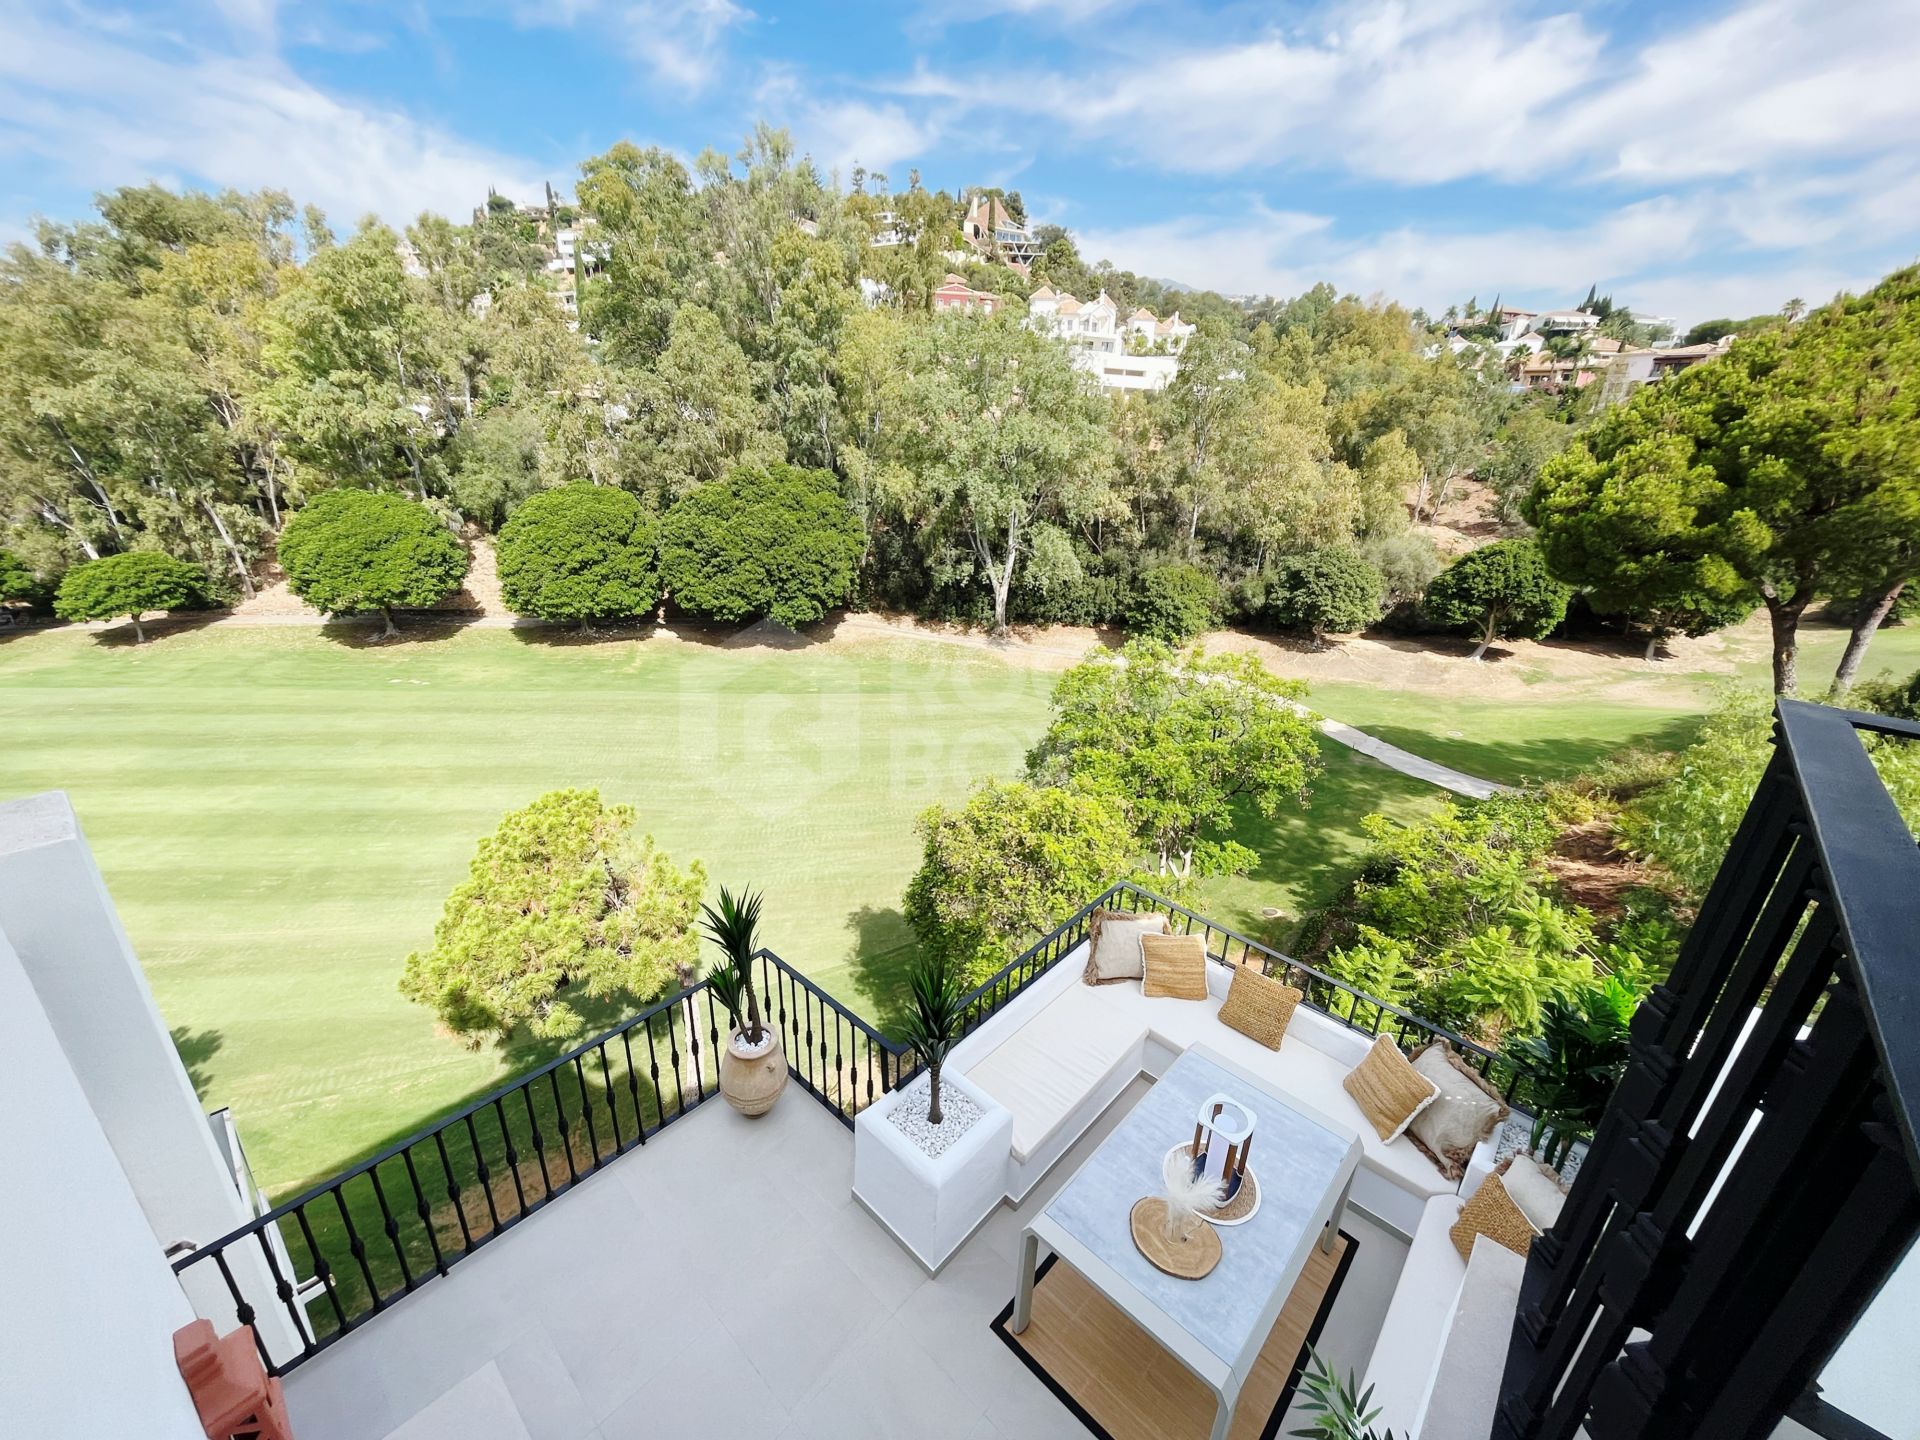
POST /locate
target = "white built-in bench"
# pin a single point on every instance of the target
(1062, 1051)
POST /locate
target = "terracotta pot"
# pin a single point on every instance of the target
(752, 1077)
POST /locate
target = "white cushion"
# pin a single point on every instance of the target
(1464, 1389)
(1535, 1190)
(1408, 1346)
(1118, 955)
(1462, 1116)
(1054, 1061)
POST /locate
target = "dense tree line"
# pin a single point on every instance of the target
(185, 372)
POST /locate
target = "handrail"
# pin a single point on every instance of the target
(375, 1232)
(472, 1108)
(1406, 1018)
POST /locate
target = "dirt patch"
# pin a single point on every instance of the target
(480, 595)
(1469, 519)
(1594, 873)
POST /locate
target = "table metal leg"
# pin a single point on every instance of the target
(1222, 1419)
(1023, 1291)
(1332, 1232)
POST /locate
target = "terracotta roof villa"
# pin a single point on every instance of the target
(1173, 1165)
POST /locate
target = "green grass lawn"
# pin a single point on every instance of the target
(280, 815)
(1513, 741)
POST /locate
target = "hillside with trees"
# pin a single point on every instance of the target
(183, 374)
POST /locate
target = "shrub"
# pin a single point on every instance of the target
(1502, 589)
(1406, 560)
(129, 585)
(1890, 696)
(356, 550)
(1326, 590)
(1173, 603)
(1003, 868)
(582, 553)
(18, 582)
(1686, 823)
(772, 540)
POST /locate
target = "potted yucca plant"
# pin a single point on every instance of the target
(1335, 1409)
(934, 1024)
(753, 1063)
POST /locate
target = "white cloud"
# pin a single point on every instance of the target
(841, 134)
(680, 42)
(1652, 256)
(1463, 88)
(104, 113)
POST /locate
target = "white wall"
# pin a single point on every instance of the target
(55, 908)
(88, 1306)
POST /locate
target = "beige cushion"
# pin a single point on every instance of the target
(1176, 967)
(1388, 1090)
(1113, 944)
(1491, 1212)
(1258, 1006)
(1464, 1113)
(1536, 1190)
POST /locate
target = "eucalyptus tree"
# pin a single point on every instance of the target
(1007, 442)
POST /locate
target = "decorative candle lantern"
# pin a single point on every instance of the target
(1222, 1138)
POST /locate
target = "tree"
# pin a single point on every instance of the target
(580, 552)
(351, 550)
(1007, 865)
(359, 391)
(561, 903)
(129, 585)
(1006, 441)
(1785, 469)
(17, 580)
(1327, 590)
(1174, 603)
(771, 540)
(1502, 589)
(1521, 447)
(1175, 740)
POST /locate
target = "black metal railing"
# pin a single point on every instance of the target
(347, 1249)
(837, 1057)
(376, 1233)
(1757, 1174)
(1320, 991)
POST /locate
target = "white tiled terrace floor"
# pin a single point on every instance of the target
(722, 1279)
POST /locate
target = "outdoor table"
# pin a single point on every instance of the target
(1216, 1326)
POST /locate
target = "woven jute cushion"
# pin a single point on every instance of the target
(1258, 1006)
(1176, 966)
(1388, 1090)
(1492, 1213)
(1465, 1113)
(1113, 944)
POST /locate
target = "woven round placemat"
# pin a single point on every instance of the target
(1187, 1259)
(1245, 1201)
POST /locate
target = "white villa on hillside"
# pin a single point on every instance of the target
(1140, 352)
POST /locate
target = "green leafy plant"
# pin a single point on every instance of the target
(1575, 1062)
(934, 1024)
(734, 925)
(1340, 1409)
(129, 585)
(1174, 603)
(351, 550)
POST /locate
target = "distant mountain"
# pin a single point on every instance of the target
(1179, 287)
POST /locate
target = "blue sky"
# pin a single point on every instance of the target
(1694, 159)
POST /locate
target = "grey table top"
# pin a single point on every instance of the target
(1296, 1159)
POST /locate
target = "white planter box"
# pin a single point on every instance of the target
(931, 1204)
